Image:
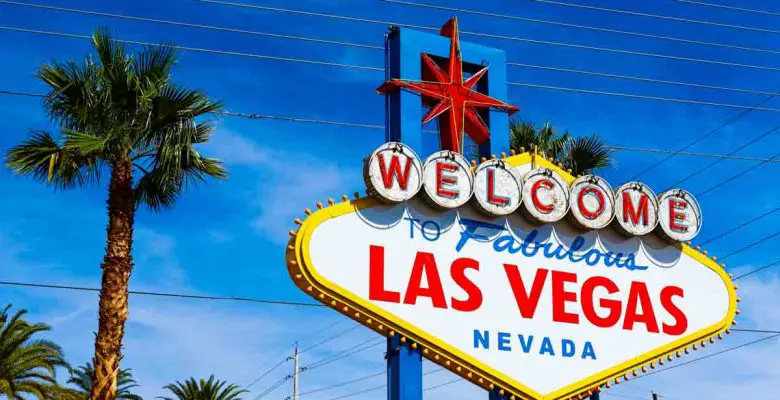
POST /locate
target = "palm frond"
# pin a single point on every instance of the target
(46, 160)
(211, 389)
(154, 63)
(588, 153)
(27, 366)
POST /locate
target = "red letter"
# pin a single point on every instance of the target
(543, 208)
(560, 297)
(395, 171)
(449, 180)
(525, 303)
(376, 277)
(425, 263)
(581, 204)
(630, 211)
(458, 272)
(588, 308)
(681, 321)
(638, 294)
(491, 189)
(675, 216)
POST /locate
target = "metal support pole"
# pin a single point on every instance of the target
(595, 396)
(296, 371)
(404, 371)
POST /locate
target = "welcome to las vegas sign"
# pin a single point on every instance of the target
(515, 274)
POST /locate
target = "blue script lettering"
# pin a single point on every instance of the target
(529, 247)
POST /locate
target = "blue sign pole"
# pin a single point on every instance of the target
(403, 116)
(404, 371)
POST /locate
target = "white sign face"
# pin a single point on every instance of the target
(591, 202)
(636, 209)
(393, 173)
(447, 180)
(540, 309)
(546, 195)
(679, 215)
(498, 189)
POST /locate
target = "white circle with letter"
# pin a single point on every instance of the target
(636, 209)
(393, 173)
(447, 180)
(546, 195)
(679, 215)
(498, 188)
(592, 202)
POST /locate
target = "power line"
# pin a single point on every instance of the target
(749, 10)
(709, 355)
(256, 116)
(755, 330)
(187, 24)
(371, 389)
(369, 68)
(163, 294)
(273, 387)
(337, 385)
(751, 245)
(295, 119)
(702, 137)
(491, 35)
(770, 265)
(643, 97)
(363, 346)
(12, 93)
(735, 176)
(266, 373)
(639, 78)
(578, 26)
(198, 49)
(740, 226)
(320, 331)
(434, 387)
(330, 339)
(658, 16)
(731, 153)
(372, 47)
(688, 153)
(379, 387)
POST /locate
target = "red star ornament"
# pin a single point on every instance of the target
(452, 100)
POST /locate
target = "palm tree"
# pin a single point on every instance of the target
(82, 379)
(582, 154)
(122, 115)
(210, 389)
(27, 365)
(57, 392)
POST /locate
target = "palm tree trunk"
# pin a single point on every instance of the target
(117, 265)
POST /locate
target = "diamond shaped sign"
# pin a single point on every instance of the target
(529, 308)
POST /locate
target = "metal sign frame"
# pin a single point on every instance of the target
(412, 342)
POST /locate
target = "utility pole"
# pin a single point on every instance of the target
(296, 371)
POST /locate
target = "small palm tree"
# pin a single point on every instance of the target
(120, 115)
(582, 154)
(82, 379)
(210, 389)
(27, 365)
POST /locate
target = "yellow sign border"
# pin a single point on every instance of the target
(306, 277)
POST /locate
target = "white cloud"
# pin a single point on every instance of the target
(297, 186)
(233, 148)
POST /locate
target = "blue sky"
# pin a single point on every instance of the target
(227, 238)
